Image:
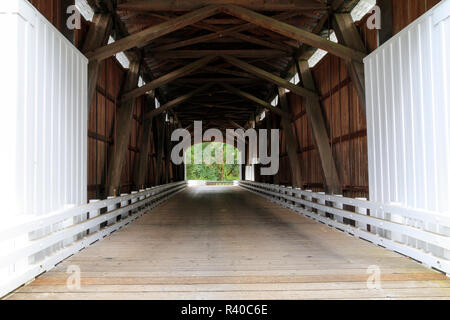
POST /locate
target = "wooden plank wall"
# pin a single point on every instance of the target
(345, 122)
(51, 9)
(102, 125)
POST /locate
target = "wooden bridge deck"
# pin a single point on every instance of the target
(227, 243)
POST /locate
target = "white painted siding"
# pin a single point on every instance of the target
(43, 121)
(408, 85)
(43, 124)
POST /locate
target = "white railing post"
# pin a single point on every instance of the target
(290, 203)
(134, 199)
(308, 198)
(93, 214)
(322, 202)
(109, 209)
(338, 205)
(124, 204)
(362, 211)
(398, 219)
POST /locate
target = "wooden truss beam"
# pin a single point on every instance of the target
(241, 53)
(321, 139)
(348, 34)
(145, 36)
(186, 70)
(125, 117)
(260, 5)
(98, 35)
(231, 32)
(178, 101)
(295, 33)
(270, 77)
(291, 143)
(267, 106)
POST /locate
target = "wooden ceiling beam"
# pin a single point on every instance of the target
(151, 33)
(267, 106)
(270, 77)
(242, 53)
(167, 78)
(304, 53)
(230, 72)
(218, 80)
(182, 6)
(233, 31)
(173, 103)
(295, 33)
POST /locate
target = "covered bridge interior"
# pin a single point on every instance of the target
(155, 66)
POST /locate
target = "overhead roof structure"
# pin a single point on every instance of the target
(251, 46)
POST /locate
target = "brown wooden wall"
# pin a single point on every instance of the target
(102, 128)
(345, 121)
(51, 9)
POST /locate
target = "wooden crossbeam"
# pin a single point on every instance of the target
(125, 116)
(178, 101)
(348, 34)
(151, 33)
(190, 68)
(295, 33)
(260, 5)
(270, 77)
(267, 106)
(233, 31)
(98, 35)
(216, 70)
(240, 53)
(291, 142)
(187, 81)
(318, 127)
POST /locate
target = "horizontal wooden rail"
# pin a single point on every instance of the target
(79, 228)
(334, 211)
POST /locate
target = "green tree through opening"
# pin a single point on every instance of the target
(209, 170)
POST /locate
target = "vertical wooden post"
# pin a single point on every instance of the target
(320, 134)
(348, 35)
(167, 149)
(98, 35)
(124, 122)
(160, 127)
(142, 162)
(291, 143)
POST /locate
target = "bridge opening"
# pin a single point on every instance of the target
(212, 162)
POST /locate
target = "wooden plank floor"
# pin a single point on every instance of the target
(227, 243)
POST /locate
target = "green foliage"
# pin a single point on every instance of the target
(209, 169)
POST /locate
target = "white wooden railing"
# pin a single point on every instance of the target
(361, 218)
(24, 255)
